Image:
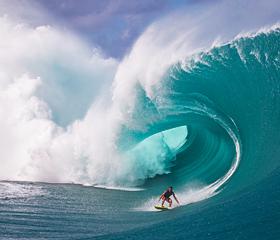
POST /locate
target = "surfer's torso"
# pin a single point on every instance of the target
(167, 194)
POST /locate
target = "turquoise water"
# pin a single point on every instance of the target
(213, 134)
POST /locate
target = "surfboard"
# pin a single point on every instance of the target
(161, 208)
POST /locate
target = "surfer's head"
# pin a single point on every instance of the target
(170, 188)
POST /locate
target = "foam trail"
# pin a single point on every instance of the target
(185, 197)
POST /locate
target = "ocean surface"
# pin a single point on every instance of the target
(65, 211)
(201, 115)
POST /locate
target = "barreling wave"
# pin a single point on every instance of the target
(214, 93)
(183, 109)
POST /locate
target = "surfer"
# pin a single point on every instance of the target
(166, 196)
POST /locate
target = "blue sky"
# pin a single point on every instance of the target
(112, 25)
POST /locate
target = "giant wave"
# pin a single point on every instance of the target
(189, 106)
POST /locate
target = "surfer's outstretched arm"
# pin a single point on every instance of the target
(175, 198)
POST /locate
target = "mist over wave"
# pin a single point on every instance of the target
(161, 114)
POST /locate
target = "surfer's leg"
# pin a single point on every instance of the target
(163, 200)
(170, 202)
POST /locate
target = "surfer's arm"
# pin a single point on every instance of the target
(175, 198)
